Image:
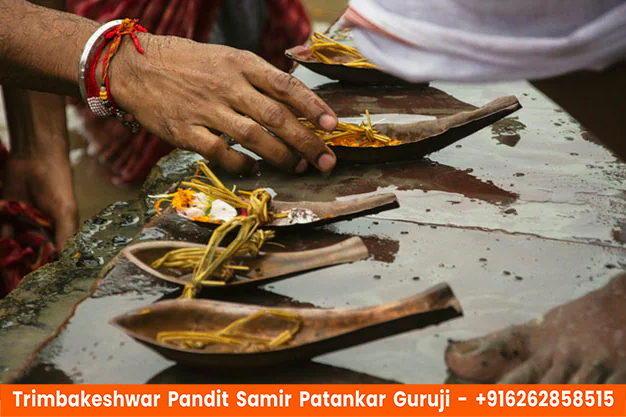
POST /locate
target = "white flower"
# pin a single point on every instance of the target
(222, 211)
(192, 212)
(201, 199)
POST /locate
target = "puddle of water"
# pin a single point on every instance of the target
(552, 179)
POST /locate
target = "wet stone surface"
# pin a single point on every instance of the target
(45, 298)
(511, 247)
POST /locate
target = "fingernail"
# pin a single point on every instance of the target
(302, 166)
(328, 122)
(326, 162)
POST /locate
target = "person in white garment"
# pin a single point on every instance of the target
(574, 52)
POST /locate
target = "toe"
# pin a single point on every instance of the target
(559, 373)
(530, 372)
(617, 377)
(486, 359)
(590, 373)
(564, 364)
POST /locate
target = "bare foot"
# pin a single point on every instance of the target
(583, 342)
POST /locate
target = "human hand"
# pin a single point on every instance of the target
(38, 170)
(181, 89)
(44, 182)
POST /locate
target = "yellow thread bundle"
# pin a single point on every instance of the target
(321, 45)
(364, 135)
(232, 336)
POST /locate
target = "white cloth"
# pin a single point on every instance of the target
(489, 40)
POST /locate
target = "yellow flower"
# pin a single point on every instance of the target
(183, 199)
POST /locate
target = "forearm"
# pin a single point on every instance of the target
(177, 89)
(36, 123)
(38, 170)
(37, 120)
(40, 48)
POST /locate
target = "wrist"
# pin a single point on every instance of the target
(124, 71)
(31, 151)
(99, 60)
(39, 143)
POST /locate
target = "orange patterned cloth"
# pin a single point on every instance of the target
(25, 239)
(129, 158)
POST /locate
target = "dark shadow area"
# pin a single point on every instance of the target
(303, 373)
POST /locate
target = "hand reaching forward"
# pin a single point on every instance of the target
(181, 91)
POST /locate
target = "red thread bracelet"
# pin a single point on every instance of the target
(99, 96)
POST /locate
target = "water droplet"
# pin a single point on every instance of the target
(120, 240)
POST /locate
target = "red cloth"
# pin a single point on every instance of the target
(129, 158)
(25, 239)
(288, 25)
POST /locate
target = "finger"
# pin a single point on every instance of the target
(214, 149)
(289, 90)
(250, 134)
(280, 121)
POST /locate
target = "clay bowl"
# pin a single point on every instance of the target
(322, 330)
(267, 267)
(425, 137)
(339, 72)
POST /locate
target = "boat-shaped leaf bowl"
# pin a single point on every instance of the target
(265, 268)
(425, 137)
(326, 212)
(338, 71)
(305, 214)
(321, 331)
